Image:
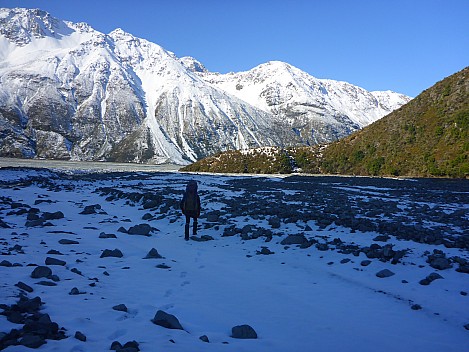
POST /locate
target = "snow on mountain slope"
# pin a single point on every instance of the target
(286, 91)
(70, 92)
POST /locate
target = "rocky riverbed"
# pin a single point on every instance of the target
(58, 228)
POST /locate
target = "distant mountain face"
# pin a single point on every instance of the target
(70, 92)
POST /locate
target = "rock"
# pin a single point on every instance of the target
(384, 273)
(345, 260)
(153, 254)
(147, 216)
(440, 263)
(294, 239)
(91, 209)
(54, 261)
(80, 336)
(265, 251)
(365, 262)
(107, 235)
(213, 217)
(6, 263)
(322, 247)
(130, 346)
(15, 317)
(67, 241)
(381, 238)
(466, 326)
(274, 222)
(41, 271)
(243, 332)
(163, 266)
(416, 307)
(32, 341)
(46, 283)
(116, 345)
(112, 253)
(75, 291)
(166, 320)
(204, 338)
(203, 238)
(26, 305)
(24, 287)
(141, 229)
(53, 216)
(122, 229)
(430, 278)
(438, 260)
(120, 308)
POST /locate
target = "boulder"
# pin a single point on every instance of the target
(120, 308)
(80, 336)
(294, 239)
(24, 287)
(141, 229)
(166, 320)
(54, 261)
(384, 273)
(53, 216)
(111, 253)
(243, 332)
(204, 338)
(91, 209)
(67, 241)
(41, 271)
(153, 254)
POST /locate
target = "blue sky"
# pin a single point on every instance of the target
(401, 45)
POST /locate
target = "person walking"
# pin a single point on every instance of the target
(190, 206)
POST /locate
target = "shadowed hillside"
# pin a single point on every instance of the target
(426, 137)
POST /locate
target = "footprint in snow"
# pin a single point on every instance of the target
(116, 334)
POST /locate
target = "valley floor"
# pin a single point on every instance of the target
(322, 295)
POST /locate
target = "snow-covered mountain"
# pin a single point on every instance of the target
(319, 110)
(70, 92)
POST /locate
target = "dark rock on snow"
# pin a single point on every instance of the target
(24, 287)
(80, 336)
(294, 239)
(67, 241)
(141, 229)
(120, 308)
(54, 261)
(92, 209)
(430, 278)
(112, 253)
(166, 320)
(153, 254)
(243, 332)
(41, 271)
(204, 338)
(107, 235)
(384, 273)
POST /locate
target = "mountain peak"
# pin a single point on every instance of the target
(21, 26)
(192, 64)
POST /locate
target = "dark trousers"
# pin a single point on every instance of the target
(194, 226)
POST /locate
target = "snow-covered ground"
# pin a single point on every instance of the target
(296, 299)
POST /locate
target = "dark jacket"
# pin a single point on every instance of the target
(192, 213)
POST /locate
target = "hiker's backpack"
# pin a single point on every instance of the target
(190, 203)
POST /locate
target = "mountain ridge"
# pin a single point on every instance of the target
(427, 137)
(71, 92)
